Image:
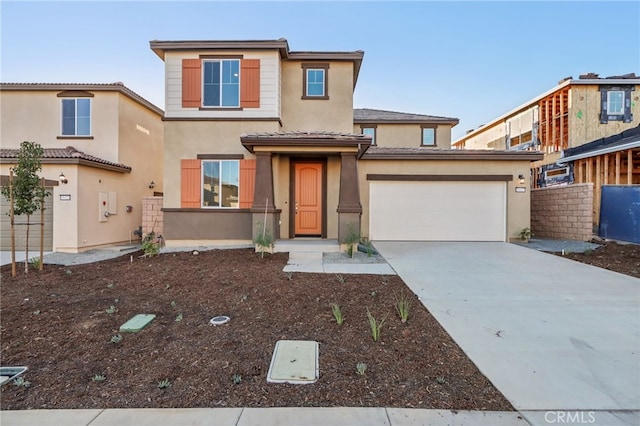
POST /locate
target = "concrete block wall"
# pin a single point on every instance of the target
(563, 212)
(152, 218)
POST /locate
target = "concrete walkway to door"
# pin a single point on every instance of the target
(560, 339)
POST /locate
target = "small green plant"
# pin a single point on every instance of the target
(244, 297)
(35, 262)
(36, 312)
(236, 379)
(440, 380)
(289, 275)
(111, 310)
(21, 382)
(99, 378)
(352, 239)
(526, 234)
(340, 278)
(375, 325)
(68, 272)
(179, 317)
(263, 240)
(164, 383)
(149, 246)
(361, 368)
(337, 313)
(403, 304)
(588, 252)
(110, 285)
(116, 338)
(173, 304)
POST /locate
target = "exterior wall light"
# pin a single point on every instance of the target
(152, 185)
(62, 178)
(521, 177)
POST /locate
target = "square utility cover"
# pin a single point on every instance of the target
(137, 323)
(295, 362)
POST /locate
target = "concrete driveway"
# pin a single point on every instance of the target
(560, 339)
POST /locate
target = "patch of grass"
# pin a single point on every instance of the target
(340, 278)
(111, 310)
(116, 338)
(179, 317)
(337, 313)
(236, 379)
(375, 325)
(440, 380)
(164, 383)
(21, 382)
(403, 304)
(361, 368)
(35, 262)
(99, 378)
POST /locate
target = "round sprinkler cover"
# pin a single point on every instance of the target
(219, 320)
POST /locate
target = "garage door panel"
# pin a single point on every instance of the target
(438, 211)
(21, 230)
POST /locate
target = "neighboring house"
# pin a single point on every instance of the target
(561, 121)
(102, 146)
(261, 137)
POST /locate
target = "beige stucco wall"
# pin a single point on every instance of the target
(187, 139)
(333, 114)
(36, 116)
(406, 135)
(123, 132)
(518, 204)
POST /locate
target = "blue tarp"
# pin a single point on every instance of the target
(620, 213)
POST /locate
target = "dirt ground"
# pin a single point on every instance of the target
(623, 258)
(63, 323)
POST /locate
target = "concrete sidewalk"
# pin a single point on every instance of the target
(348, 416)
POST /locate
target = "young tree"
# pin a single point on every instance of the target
(25, 188)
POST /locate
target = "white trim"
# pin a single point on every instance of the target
(621, 147)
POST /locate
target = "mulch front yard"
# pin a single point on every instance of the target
(60, 323)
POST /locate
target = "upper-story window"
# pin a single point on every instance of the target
(370, 131)
(315, 81)
(221, 83)
(218, 82)
(616, 103)
(76, 117)
(428, 136)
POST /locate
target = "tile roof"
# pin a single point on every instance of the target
(424, 153)
(306, 135)
(378, 115)
(117, 86)
(68, 153)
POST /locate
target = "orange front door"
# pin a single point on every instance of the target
(308, 199)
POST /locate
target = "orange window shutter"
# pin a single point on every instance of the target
(250, 83)
(247, 182)
(191, 83)
(190, 184)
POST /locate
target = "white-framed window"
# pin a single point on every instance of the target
(615, 102)
(76, 117)
(221, 83)
(370, 131)
(220, 183)
(315, 81)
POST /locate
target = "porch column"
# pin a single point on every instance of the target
(349, 207)
(263, 199)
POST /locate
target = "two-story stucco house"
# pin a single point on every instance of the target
(102, 145)
(260, 136)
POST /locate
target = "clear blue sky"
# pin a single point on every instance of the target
(470, 60)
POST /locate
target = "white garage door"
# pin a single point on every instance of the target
(21, 230)
(437, 211)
